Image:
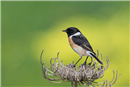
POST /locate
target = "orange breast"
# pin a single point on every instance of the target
(72, 43)
(77, 48)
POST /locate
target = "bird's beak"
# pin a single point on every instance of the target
(63, 30)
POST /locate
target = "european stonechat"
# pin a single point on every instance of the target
(80, 44)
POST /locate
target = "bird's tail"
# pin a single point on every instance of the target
(96, 58)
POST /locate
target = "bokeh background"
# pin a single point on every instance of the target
(28, 27)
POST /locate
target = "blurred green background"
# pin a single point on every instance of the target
(28, 27)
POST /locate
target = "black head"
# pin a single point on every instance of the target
(71, 30)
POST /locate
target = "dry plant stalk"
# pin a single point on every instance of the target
(82, 75)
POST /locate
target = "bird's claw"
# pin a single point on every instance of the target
(84, 63)
(73, 66)
(89, 64)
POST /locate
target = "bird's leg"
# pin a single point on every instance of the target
(85, 61)
(77, 61)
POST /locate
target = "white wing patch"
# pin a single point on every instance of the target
(76, 34)
(88, 53)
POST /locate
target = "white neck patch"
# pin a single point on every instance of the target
(76, 34)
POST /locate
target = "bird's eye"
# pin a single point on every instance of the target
(69, 30)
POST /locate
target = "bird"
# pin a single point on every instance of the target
(80, 44)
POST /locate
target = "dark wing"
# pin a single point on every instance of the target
(83, 42)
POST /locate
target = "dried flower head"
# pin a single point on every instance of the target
(82, 75)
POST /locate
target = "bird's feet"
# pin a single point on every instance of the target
(89, 64)
(73, 66)
(85, 64)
